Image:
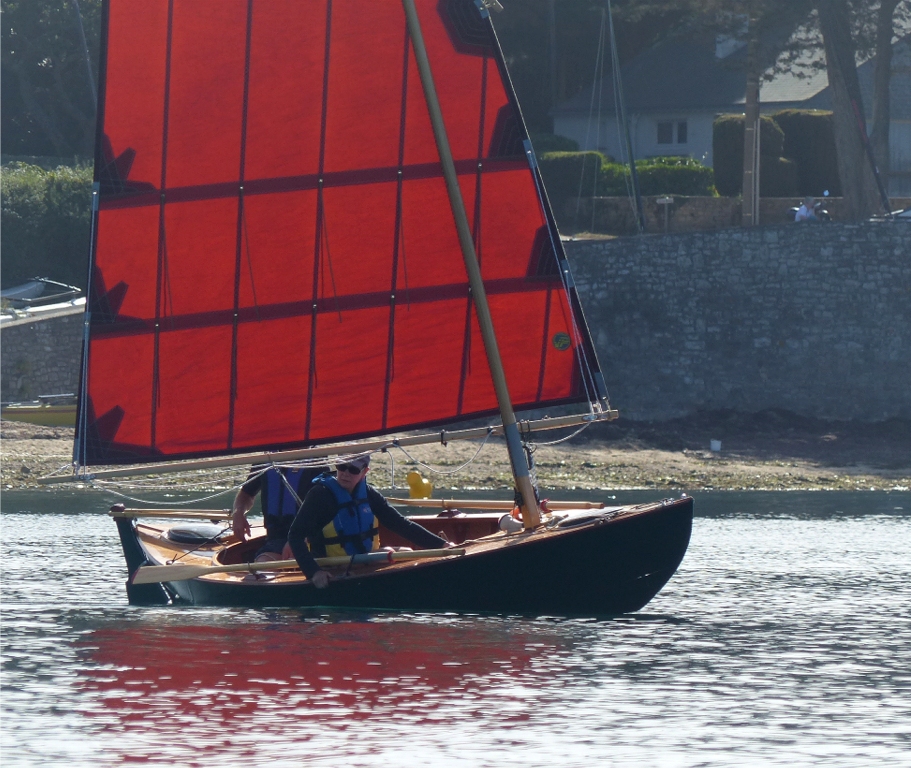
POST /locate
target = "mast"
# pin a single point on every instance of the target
(530, 515)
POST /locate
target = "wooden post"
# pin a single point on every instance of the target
(531, 517)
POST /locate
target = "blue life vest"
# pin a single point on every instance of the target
(278, 499)
(352, 530)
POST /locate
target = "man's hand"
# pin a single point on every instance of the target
(239, 524)
(287, 554)
(320, 579)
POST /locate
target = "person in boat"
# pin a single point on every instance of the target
(283, 490)
(339, 516)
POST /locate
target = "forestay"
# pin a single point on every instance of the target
(275, 260)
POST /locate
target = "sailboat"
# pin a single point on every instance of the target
(320, 231)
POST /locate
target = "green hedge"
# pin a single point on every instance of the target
(809, 140)
(776, 179)
(657, 176)
(46, 223)
(674, 176)
(571, 174)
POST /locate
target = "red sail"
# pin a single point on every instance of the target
(276, 262)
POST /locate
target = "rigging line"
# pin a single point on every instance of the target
(249, 260)
(571, 296)
(80, 445)
(407, 55)
(441, 471)
(536, 444)
(210, 540)
(325, 239)
(99, 485)
(239, 246)
(397, 240)
(85, 51)
(598, 123)
(317, 246)
(629, 181)
(162, 277)
(596, 84)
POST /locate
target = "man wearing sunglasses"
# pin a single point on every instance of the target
(282, 491)
(340, 516)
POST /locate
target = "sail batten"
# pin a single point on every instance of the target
(276, 263)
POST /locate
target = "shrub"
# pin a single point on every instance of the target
(674, 176)
(777, 177)
(809, 140)
(659, 176)
(571, 174)
(45, 223)
(550, 142)
(727, 152)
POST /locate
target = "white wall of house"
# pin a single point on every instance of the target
(687, 134)
(644, 135)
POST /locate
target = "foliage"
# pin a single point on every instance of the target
(571, 174)
(674, 176)
(727, 158)
(46, 223)
(809, 141)
(550, 142)
(600, 177)
(48, 95)
(659, 176)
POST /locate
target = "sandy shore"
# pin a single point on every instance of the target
(769, 451)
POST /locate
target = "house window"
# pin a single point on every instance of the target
(666, 133)
(681, 132)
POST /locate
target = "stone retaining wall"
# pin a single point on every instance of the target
(813, 319)
(40, 357)
(615, 215)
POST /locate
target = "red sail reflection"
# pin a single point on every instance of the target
(252, 681)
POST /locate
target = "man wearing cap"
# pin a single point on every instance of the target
(283, 489)
(339, 516)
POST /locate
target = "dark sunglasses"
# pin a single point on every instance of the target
(349, 468)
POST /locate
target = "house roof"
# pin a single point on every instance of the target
(683, 74)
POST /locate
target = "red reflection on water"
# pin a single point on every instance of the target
(224, 681)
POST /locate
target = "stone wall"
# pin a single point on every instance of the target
(813, 319)
(40, 357)
(615, 215)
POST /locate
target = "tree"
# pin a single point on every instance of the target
(858, 182)
(882, 113)
(48, 98)
(551, 46)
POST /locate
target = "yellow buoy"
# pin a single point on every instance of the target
(418, 487)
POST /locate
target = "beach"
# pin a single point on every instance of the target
(767, 451)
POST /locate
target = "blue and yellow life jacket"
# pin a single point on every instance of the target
(352, 530)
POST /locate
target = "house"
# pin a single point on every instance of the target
(675, 90)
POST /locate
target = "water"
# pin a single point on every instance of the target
(784, 639)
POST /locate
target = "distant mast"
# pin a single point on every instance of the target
(621, 105)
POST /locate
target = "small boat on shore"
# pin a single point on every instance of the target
(348, 250)
(46, 411)
(38, 298)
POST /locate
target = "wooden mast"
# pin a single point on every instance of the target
(530, 514)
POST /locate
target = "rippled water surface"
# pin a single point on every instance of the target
(784, 639)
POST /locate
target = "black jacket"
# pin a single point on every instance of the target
(320, 507)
